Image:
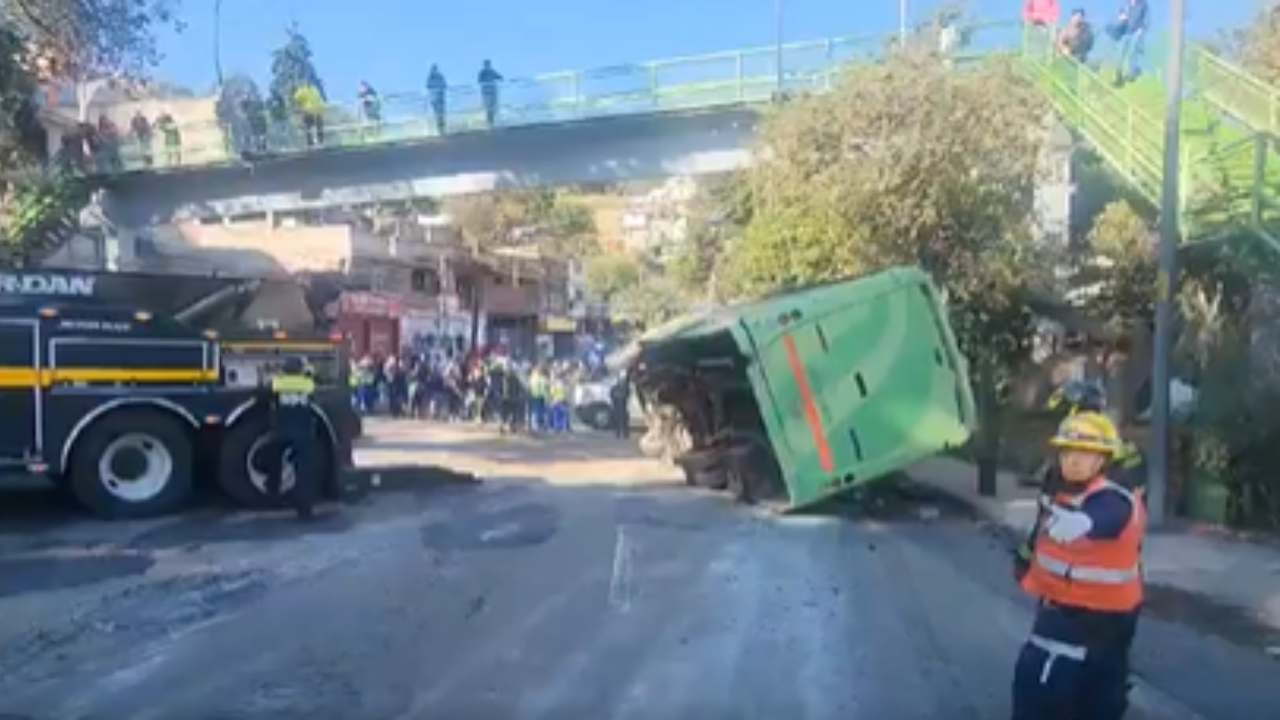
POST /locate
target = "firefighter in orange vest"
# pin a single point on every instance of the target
(1084, 567)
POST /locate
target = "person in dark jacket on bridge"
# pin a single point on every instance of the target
(436, 88)
(489, 79)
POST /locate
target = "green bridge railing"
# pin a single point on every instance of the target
(696, 82)
(1230, 169)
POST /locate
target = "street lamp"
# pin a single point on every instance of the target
(1166, 276)
(778, 60)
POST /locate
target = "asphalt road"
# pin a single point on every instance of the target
(519, 598)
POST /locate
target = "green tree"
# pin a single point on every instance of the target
(1123, 264)
(81, 41)
(87, 38)
(1258, 43)
(487, 220)
(564, 227)
(652, 300)
(719, 212)
(609, 275)
(907, 162)
(17, 111)
(90, 42)
(292, 67)
(35, 211)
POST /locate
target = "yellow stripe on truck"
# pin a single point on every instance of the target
(11, 377)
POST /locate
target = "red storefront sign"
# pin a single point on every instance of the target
(370, 304)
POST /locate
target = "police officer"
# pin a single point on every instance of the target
(1084, 569)
(619, 394)
(294, 424)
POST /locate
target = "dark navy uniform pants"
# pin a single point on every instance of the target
(1075, 666)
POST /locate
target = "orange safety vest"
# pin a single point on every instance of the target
(1100, 575)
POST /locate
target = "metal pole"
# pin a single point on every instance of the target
(778, 60)
(217, 40)
(902, 22)
(1166, 277)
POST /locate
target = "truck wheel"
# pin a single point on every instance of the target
(753, 469)
(244, 462)
(132, 464)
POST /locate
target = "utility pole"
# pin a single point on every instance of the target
(217, 40)
(902, 22)
(778, 44)
(1166, 277)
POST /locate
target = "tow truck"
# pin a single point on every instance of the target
(130, 391)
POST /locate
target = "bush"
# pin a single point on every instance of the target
(1235, 429)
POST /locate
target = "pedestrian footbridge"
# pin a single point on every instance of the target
(699, 114)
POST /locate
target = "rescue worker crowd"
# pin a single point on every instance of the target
(492, 387)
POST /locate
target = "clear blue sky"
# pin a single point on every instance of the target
(391, 43)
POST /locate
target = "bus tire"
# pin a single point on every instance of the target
(242, 466)
(133, 463)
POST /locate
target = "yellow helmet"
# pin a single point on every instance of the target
(1090, 431)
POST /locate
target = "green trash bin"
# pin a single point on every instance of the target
(1208, 498)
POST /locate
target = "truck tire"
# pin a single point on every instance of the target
(753, 470)
(133, 463)
(242, 466)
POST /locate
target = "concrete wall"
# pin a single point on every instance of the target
(598, 150)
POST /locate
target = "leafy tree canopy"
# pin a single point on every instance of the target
(1124, 264)
(609, 275)
(83, 38)
(906, 162)
(292, 67)
(1258, 44)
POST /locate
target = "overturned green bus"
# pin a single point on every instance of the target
(806, 393)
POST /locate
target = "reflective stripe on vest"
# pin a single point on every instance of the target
(1088, 573)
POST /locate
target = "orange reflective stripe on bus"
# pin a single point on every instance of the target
(811, 413)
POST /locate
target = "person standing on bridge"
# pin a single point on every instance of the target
(489, 79)
(310, 105)
(436, 87)
(370, 104)
(1129, 30)
(141, 128)
(1076, 40)
(1084, 566)
(1041, 12)
(168, 127)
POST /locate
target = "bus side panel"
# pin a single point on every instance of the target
(862, 388)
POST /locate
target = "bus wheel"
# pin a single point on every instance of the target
(133, 463)
(244, 464)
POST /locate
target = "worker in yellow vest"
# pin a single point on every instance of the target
(539, 387)
(1084, 567)
(558, 399)
(294, 424)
